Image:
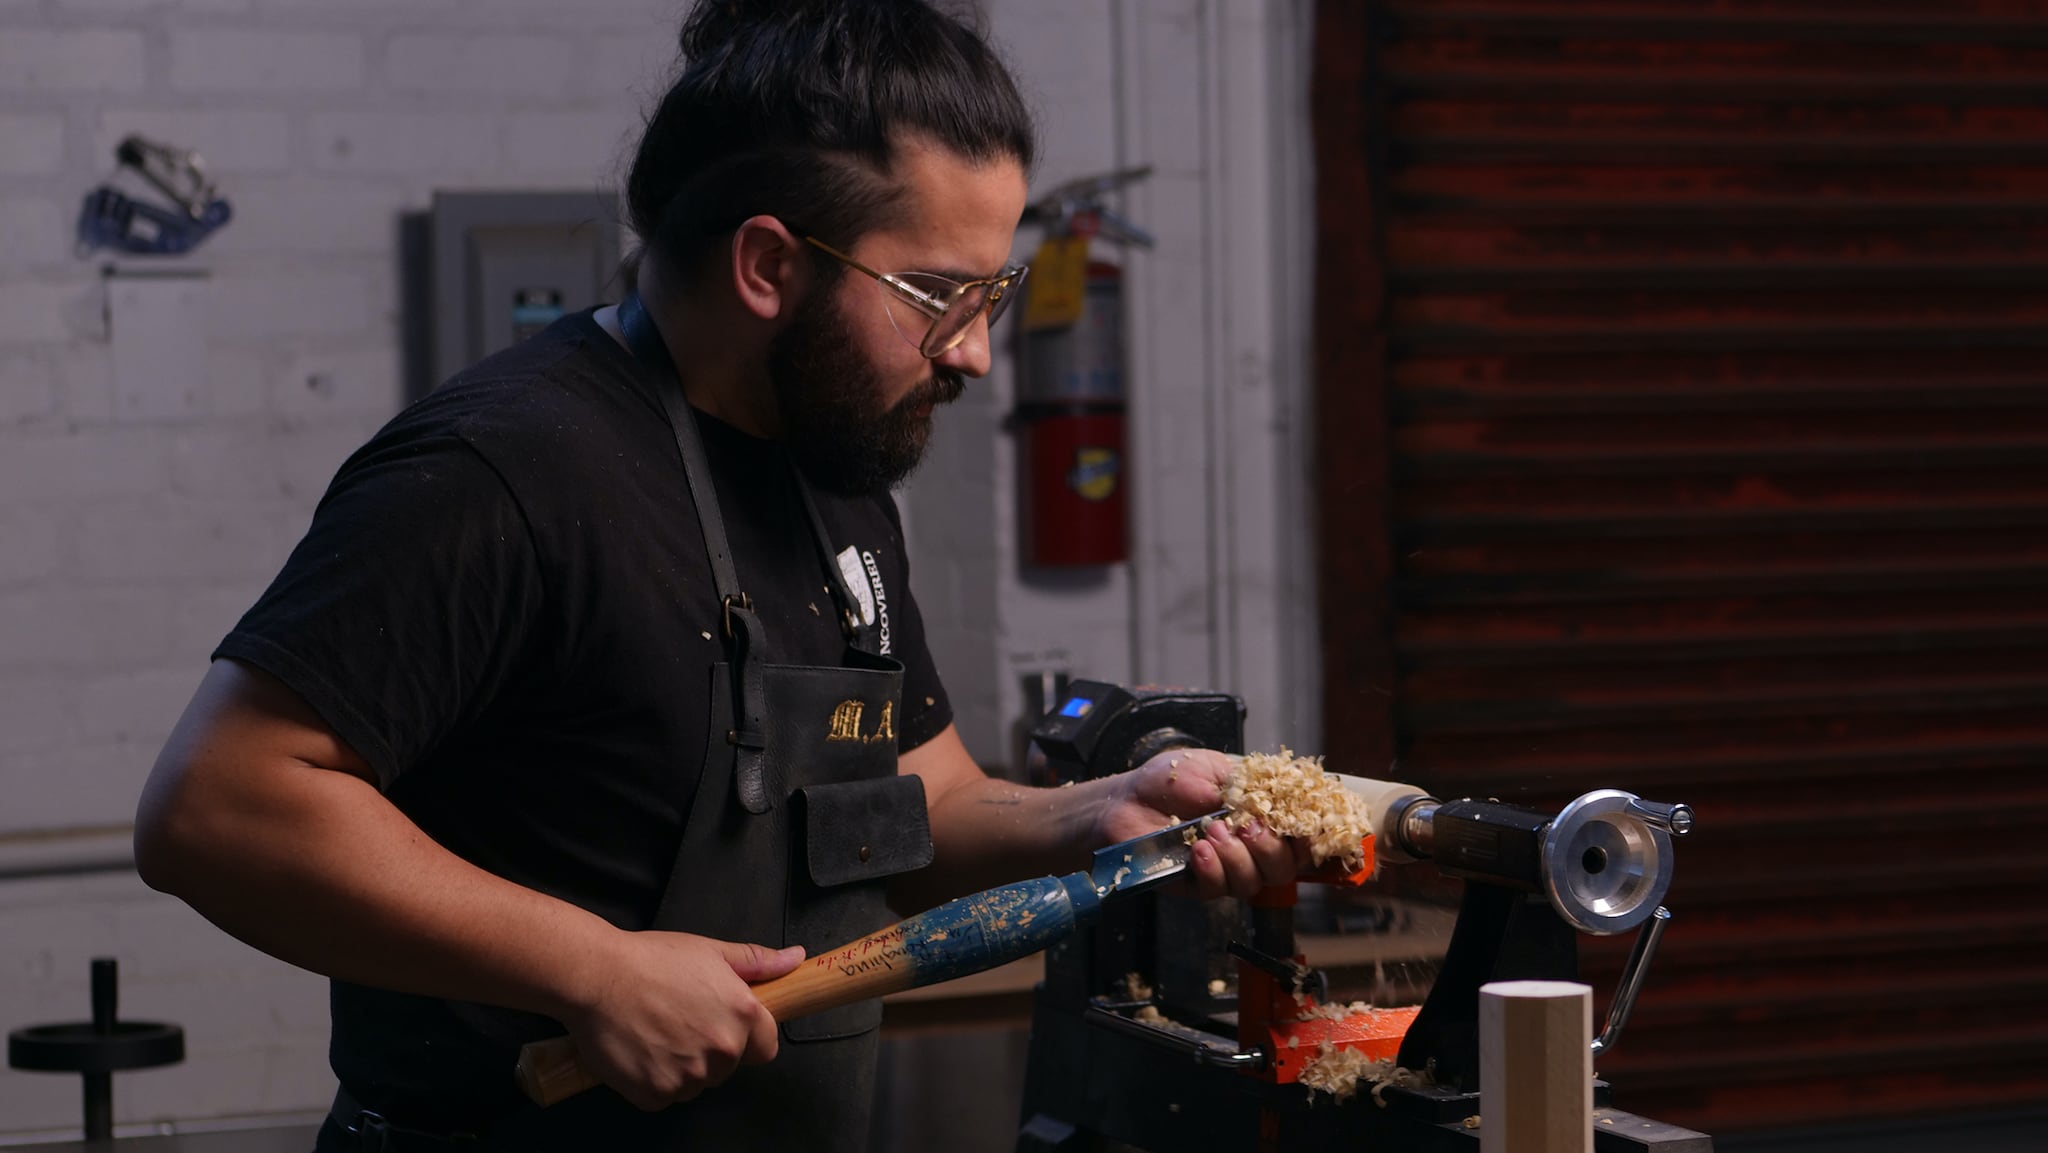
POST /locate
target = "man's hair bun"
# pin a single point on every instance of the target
(791, 108)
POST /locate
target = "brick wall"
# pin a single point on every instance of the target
(135, 525)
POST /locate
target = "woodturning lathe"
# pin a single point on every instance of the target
(1141, 1037)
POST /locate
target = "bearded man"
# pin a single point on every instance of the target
(596, 691)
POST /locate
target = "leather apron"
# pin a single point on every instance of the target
(798, 820)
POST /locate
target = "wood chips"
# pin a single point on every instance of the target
(1292, 796)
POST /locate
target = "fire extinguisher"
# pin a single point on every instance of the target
(1070, 392)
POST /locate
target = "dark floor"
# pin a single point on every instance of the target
(291, 1139)
(2005, 1133)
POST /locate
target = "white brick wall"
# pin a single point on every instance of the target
(30, 144)
(28, 391)
(33, 230)
(71, 60)
(512, 69)
(250, 60)
(35, 312)
(135, 524)
(422, 143)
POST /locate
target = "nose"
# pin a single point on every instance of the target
(970, 357)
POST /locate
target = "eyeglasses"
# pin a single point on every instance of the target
(934, 312)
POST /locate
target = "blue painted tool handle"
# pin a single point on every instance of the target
(969, 935)
(960, 937)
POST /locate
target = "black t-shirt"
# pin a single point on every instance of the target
(505, 607)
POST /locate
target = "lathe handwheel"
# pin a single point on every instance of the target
(1605, 869)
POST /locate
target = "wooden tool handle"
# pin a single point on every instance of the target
(957, 938)
(548, 1071)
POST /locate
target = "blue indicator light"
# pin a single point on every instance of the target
(1076, 707)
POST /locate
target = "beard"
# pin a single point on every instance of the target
(825, 391)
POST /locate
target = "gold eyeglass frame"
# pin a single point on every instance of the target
(1000, 287)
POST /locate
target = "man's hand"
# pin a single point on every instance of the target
(674, 1017)
(1184, 783)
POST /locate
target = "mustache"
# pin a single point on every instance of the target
(944, 387)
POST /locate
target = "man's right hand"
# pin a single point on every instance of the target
(673, 1015)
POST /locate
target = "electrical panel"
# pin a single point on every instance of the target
(508, 264)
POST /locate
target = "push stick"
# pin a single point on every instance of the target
(1535, 1067)
(958, 938)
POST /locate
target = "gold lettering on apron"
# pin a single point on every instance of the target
(846, 722)
(886, 731)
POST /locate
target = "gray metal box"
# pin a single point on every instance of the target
(506, 264)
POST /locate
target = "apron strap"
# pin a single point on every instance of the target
(741, 626)
(858, 634)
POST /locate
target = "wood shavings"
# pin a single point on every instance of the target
(1150, 1014)
(1339, 1072)
(1293, 797)
(1333, 1011)
(1132, 985)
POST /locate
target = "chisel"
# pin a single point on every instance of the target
(964, 936)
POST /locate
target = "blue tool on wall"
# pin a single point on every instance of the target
(112, 219)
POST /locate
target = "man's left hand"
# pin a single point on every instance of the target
(1183, 783)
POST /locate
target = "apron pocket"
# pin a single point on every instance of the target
(865, 830)
(853, 836)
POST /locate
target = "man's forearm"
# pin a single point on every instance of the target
(990, 831)
(987, 831)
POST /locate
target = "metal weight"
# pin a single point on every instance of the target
(97, 1049)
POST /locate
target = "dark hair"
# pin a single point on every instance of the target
(790, 108)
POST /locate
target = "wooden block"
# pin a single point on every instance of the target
(1535, 1067)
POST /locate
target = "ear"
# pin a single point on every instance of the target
(770, 268)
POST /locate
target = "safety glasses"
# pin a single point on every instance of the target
(934, 312)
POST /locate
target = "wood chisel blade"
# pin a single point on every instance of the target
(1142, 862)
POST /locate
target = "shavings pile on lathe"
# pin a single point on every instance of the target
(1339, 1072)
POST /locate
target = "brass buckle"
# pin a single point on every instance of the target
(740, 600)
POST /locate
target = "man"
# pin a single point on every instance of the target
(566, 714)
